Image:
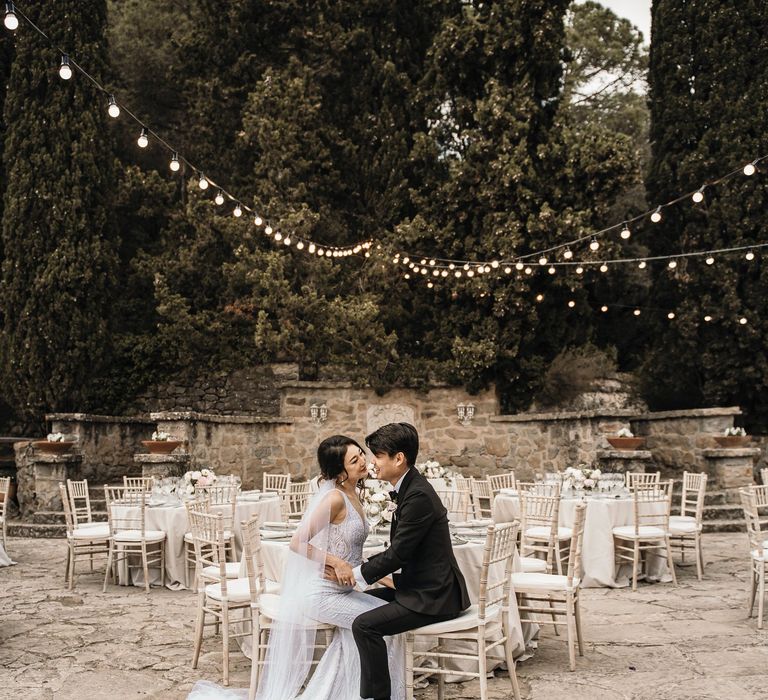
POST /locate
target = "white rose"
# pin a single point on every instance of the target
(190, 489)
(589, 483)
(195, 476)
(373, 509)
(596, 474)
(205, 472)
(379, 497)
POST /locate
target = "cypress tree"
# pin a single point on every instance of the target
(58, 240)
(708, 72)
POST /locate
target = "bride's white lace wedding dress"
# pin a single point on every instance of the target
(337, 676)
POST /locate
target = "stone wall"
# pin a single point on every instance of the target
(107, 443)
(249, 445)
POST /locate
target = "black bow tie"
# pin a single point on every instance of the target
(393, 496)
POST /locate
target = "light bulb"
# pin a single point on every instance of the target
(470, 273)
(642, 264)
(423, 261)
(450, 267)
(603, 268)
(671, 315)
(320, 253)
(466, 266)
(507, 270)
(219, 199)
(311, 248)
(495, 264)
(238, 212)
(287, 240)
(672, 264)
(707, 318)
(636, 312)
(300, 245)
(11, 21)
(749, 168)
(594, 245)
(65, 70)
(542, 260)
(539, 297)
(568, 254)
(268, 230)
(571, 303)
(710, 260)
(143, 141)
(551, 270)
(407, 276)
(202, 183)
(743, 321)
(175, 165)
(435, 273)
(113, 110)
(519, 266)
(257, 220)
(603, 308)
(656, 216)
(279, 236)
(750, 255)
(430, 285)
(698, 195)
(528, 270)
(444, 273)
(367, 254)
(431, 262)
(625, 232)
(579, 270)
(457, 274)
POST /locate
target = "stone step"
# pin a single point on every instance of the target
(716, 497)
(724, 511)
(54, 517)
(724, 526)
(26, 529)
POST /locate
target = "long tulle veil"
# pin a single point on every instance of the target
(292, 639)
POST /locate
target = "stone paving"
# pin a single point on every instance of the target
(694, 641)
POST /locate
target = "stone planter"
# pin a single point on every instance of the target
(53, 448)
(731, 441)
(626, 443)
(161, 447)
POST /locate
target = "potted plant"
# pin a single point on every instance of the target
(732, 437)
(625, 440)
(161, 443)
(54, 444)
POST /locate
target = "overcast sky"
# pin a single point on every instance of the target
(636, 11)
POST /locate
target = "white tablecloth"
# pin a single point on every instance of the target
(603, 514)
(470, 559)
(173, 521)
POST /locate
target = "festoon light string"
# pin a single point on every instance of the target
(114, 108)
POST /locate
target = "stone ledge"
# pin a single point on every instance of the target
(729, 452)
(153, 458)
(624, 454)
(563, 416)
(299, 384)
(689, 413)
(194, 416)
(93, 418)
(46, 458)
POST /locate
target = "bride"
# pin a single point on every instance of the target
(331, 532)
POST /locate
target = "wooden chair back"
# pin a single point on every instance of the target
(208, 537)
(652, 503)
(79, 501)
(293, 501)
(254, 561)
(693, 494)
(502, 481)
(482, 499)
(276, 482)
(642, 478)
(574, 557)
(499, 552)
(139, 483)
(126, 509)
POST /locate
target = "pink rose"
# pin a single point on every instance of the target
(203, 481)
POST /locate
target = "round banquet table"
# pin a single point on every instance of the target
(603, 514)
(173, 521)
(469, 557)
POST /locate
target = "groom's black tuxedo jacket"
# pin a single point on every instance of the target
(430, 581)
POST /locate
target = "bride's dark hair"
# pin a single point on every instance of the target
(330, 456)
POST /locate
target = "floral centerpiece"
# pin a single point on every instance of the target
(625, 440)
(432, 469)
(378, 506)
(202, 477)
(581, 477)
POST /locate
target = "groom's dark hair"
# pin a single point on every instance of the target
(393, 438)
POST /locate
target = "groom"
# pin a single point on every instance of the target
(430, 587)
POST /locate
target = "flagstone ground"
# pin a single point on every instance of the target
(694, 641)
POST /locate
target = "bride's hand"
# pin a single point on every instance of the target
(344, 573)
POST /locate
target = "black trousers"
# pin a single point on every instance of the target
(369, 630)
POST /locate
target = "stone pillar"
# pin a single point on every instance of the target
(162, 465)
(39, 476)
(731, 467)
(623, 461)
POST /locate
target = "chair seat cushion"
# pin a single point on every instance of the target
(541, 532)
(188, 537)
(232, 569)
(237, 590)
(533, 565)
(92, 531)
(523, 581)
(681, 526)
(468, 620)
(645, 532)
(135, 536)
